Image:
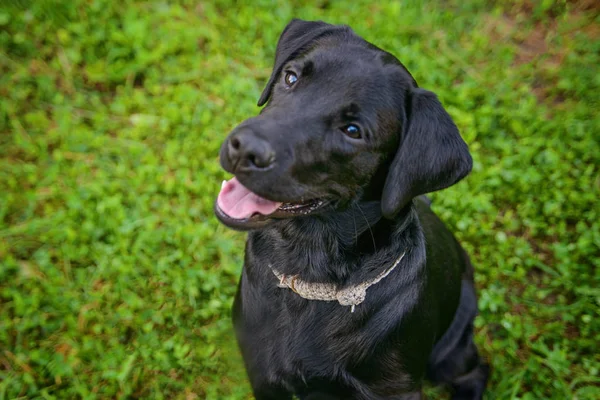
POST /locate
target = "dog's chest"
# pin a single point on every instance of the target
(295, 340)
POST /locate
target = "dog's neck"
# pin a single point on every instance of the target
(330, 247)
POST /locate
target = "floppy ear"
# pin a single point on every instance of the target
(431, 155)
(295, 39)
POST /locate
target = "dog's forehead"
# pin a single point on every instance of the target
(354, 73)
(344, 71)
(354, 58)
(348, 58)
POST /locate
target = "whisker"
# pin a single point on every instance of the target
(368, 226)
(355, 230)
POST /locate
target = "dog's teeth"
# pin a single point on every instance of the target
(223, 184)
(302, 208)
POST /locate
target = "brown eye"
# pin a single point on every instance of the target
(352, 131)
(290, 78)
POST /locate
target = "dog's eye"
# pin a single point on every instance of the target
(290, 78)
(352, 131)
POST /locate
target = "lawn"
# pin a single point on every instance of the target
(116, 279)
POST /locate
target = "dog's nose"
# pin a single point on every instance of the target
(246, 151)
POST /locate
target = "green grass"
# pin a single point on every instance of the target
(115, 278)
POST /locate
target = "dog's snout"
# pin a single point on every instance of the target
(246, 151)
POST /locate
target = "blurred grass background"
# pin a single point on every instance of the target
(116, 279)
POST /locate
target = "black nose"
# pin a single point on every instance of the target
(246, 151)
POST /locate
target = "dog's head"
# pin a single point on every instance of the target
(344, 122)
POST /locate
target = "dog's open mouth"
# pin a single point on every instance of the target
(237, 204)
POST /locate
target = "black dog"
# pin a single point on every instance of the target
(352, 288)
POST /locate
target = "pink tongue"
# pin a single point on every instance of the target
(238, 202)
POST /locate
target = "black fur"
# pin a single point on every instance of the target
(416, 323)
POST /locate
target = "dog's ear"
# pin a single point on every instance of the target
(431, 155)
(295, 39)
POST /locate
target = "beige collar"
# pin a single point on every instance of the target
(350, 296)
